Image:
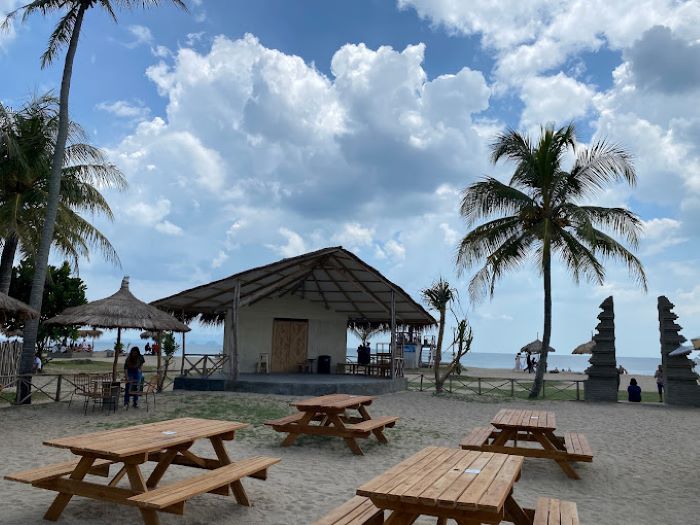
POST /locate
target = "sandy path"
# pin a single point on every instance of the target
(646, 468)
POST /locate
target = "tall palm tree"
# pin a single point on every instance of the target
(27, 138)
(438, 297)
(539, 213)
(66, 33)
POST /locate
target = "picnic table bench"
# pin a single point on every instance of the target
(166, 443)
(536, 426)
(466, 486)
(328, 416)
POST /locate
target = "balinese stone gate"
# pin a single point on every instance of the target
(603, 380)
(681, 382)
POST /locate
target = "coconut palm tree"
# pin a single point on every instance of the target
(27, 138)
(539, 213)
(438, 297)
(66, 33)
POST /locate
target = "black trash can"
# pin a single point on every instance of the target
(324, 364)
(363, 355)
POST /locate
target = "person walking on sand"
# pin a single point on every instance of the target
(528, 362)
(659, 376)
(132, 367)
(518, 363)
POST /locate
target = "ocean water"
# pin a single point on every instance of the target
(576, 363)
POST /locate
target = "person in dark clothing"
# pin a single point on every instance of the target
(132, 368)
(634, 392)
(528, 361)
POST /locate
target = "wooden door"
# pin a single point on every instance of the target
(290, 340)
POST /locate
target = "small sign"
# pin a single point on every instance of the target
(472, 470)
(169, 433)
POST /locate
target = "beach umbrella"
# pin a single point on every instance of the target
(121, 310)
(90, 333)
(696, 343)
(585, 348)
(14, 333)
(534, 347)
(12, 308)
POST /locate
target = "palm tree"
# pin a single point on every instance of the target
(539, 213)
(66, 33)
(438, 297)
(27, 138)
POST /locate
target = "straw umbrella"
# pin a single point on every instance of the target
(94, 333)
(11, 307)
(534, 347)
(585, 348)
(121, 311)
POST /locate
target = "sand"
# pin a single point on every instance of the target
(646, 468)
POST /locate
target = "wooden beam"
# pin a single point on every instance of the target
(320, 292)
(270, 288)
(359, 284)
(352, 303)
(232, 336)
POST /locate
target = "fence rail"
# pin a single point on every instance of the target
(46, 388)
(203, 365)
(500, 387)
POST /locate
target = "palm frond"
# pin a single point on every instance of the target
(600, 165)
(578, 258)
(484, 239)
(490, 197)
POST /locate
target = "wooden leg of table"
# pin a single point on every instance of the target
(60, 501)
(224, 459)
(503, 437)
(163, 464)
(379, 434)
(138, 484)
(292, 437)
(352, 445)
(441, 521)
(364, 413)
(568, 469)
(556, 440)
(350, 441)
(401, 518)
(117, 477)
(514, 513)
(240, 494)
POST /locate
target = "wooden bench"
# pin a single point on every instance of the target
(283, 421)
(577, 447)
(476, 439)
(373, 424)
(49, 472)
(180, 491)
(357, 511)
(552, 511)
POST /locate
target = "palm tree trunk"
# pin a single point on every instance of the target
(546, 336)
(438, 352)
(8, 257)
(42, 258)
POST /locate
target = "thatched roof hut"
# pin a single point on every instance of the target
(585, 348)
(534, 347)
(12, 308)
(121, 310)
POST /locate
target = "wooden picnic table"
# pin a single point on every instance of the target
(328, 416)
(166, 443)
(469, 487)
(510, 426)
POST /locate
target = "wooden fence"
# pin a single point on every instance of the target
(495, 387)
(10, 353)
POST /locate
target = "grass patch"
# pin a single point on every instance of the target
(77, 366)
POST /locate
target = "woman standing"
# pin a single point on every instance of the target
(659, 375)
(132, 368)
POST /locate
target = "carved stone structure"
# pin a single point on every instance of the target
(681, 382)
(603, 380)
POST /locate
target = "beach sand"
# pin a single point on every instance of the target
(646, 468)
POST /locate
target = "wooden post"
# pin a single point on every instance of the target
(182, 363)
(231, 333)
(393, 334)
(117, 349)
(58, 388)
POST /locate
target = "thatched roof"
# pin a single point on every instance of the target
(121, 310)
(535, 347)
(585, 348)
(332, 277)
(12, 308)
(90, 333)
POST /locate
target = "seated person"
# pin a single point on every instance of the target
(634, 392)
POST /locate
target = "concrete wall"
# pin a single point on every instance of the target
(327, 329)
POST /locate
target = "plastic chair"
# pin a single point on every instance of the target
(263, 364)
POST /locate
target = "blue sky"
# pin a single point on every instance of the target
(251, 131)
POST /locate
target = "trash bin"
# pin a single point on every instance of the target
(363, 355)
(324, 364)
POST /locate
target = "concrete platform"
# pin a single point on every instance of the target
(293, 384)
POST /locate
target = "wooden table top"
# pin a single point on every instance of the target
(333, 402)
(525, 419)
(152, 437)
(447, 478)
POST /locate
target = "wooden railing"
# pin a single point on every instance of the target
(203, 365)
(569, 389)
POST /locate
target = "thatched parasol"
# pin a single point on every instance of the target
(11, 307)
(90, 333)
(585, 348)
(534, 347)
(150, 334)
(696, 342)
(121, 310)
